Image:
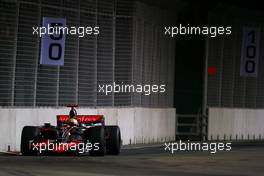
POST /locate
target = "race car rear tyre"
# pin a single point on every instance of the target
(96, 138)
(28, 133)
(113, 143)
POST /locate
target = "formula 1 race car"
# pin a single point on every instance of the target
(74, 134)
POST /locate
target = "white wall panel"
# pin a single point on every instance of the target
(235, 124)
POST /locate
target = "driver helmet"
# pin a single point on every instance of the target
(72, 113)
(72, 120)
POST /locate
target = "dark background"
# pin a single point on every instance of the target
(189, 63)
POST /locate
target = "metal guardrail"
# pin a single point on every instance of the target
(191, 126)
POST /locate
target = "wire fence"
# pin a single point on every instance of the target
(126, 51)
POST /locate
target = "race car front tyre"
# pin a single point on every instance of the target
(113, 143)
(29, 133)
(96, 138)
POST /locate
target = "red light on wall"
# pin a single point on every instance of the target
(212, 71)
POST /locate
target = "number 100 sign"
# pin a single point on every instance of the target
(52, 43)
(250, 52)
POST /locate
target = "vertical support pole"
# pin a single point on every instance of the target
(14, 57)
(114, 48)
(95, 57)
(133, 58)
(221, 72)
(78, 57)
(204, 111)
(58, 71)
(142, 63)
(234, 42)
(37, 59)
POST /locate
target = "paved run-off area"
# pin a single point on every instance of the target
(245, 160)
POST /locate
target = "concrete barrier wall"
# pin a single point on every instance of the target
(235, 124)
(138, 125)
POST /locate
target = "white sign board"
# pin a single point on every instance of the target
(250, 52)
(52, 42)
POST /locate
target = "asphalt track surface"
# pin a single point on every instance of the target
(240, 161)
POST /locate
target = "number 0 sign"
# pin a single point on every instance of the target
(250, 52)
(52, 42)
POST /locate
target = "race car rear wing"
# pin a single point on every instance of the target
(86, 119)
